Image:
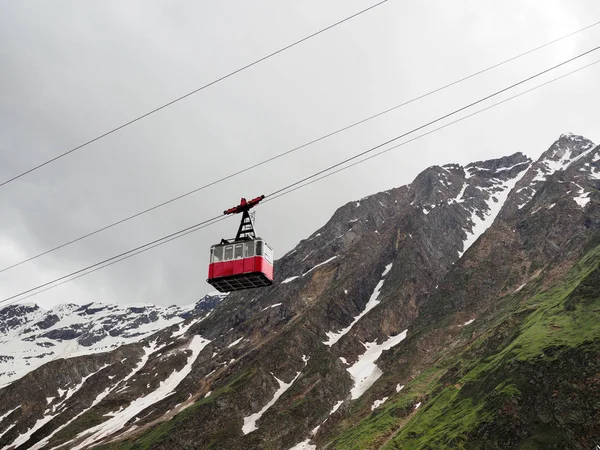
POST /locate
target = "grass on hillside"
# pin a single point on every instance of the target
(550, 322)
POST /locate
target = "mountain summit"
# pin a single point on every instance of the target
(459, 311)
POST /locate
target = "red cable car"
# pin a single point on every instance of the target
(245, 262)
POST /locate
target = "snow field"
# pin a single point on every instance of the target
(21, 342)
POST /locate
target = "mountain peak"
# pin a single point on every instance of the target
(566, 148)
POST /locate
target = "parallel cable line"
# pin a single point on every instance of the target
(116, 258)
(121, 257)
(434, 130)
(302, 183)
(439, 119)
(224, 77)
(280, 155)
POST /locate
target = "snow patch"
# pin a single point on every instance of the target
(365, 372)
(250, 421)
(336, 407)
(594, 176)
(304, 445)
(72, 391)
(272, 306)
(182, 329)
(319, 265)
(493, 208)
(387, 269)
(306, 257)
(8, 413)
(377, 403)
(236, 342)
(332, 337)
(7, 430)
(582, 198)
(166, 387)
(399, 387)
(41, 444)
(468, 322)
(519, 288)
(290, 279)
(458, 198)
(504, 169)
(25, 436)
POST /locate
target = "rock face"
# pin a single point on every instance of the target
(460, 311)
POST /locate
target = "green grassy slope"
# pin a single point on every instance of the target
(531, 381)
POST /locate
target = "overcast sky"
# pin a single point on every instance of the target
(71, 70)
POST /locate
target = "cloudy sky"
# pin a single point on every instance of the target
(72, 70)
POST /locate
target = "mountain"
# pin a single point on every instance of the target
(31, 336)
(459, 311)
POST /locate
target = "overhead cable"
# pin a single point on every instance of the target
(432, 131)
(280, 155)
(166, 105)
(294, 186)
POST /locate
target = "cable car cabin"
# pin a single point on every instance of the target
(238, 265)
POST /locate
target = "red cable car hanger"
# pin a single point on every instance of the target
(246, 229)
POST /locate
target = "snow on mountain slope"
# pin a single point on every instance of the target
(250, 421)
(365, 372)
(165, 388)
(333, 337)
(31, 336)
(563, 154)
(475, 194)
(482, 220)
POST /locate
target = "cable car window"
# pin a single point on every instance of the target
(217, 254)
(268, 254)
(228, 252)
(239, 251)
(259, 247)
(249, 249)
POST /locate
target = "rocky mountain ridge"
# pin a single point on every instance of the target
(458, 311)
(31, 336)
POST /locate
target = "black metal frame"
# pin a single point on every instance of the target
(241, 281)
(245, 231)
